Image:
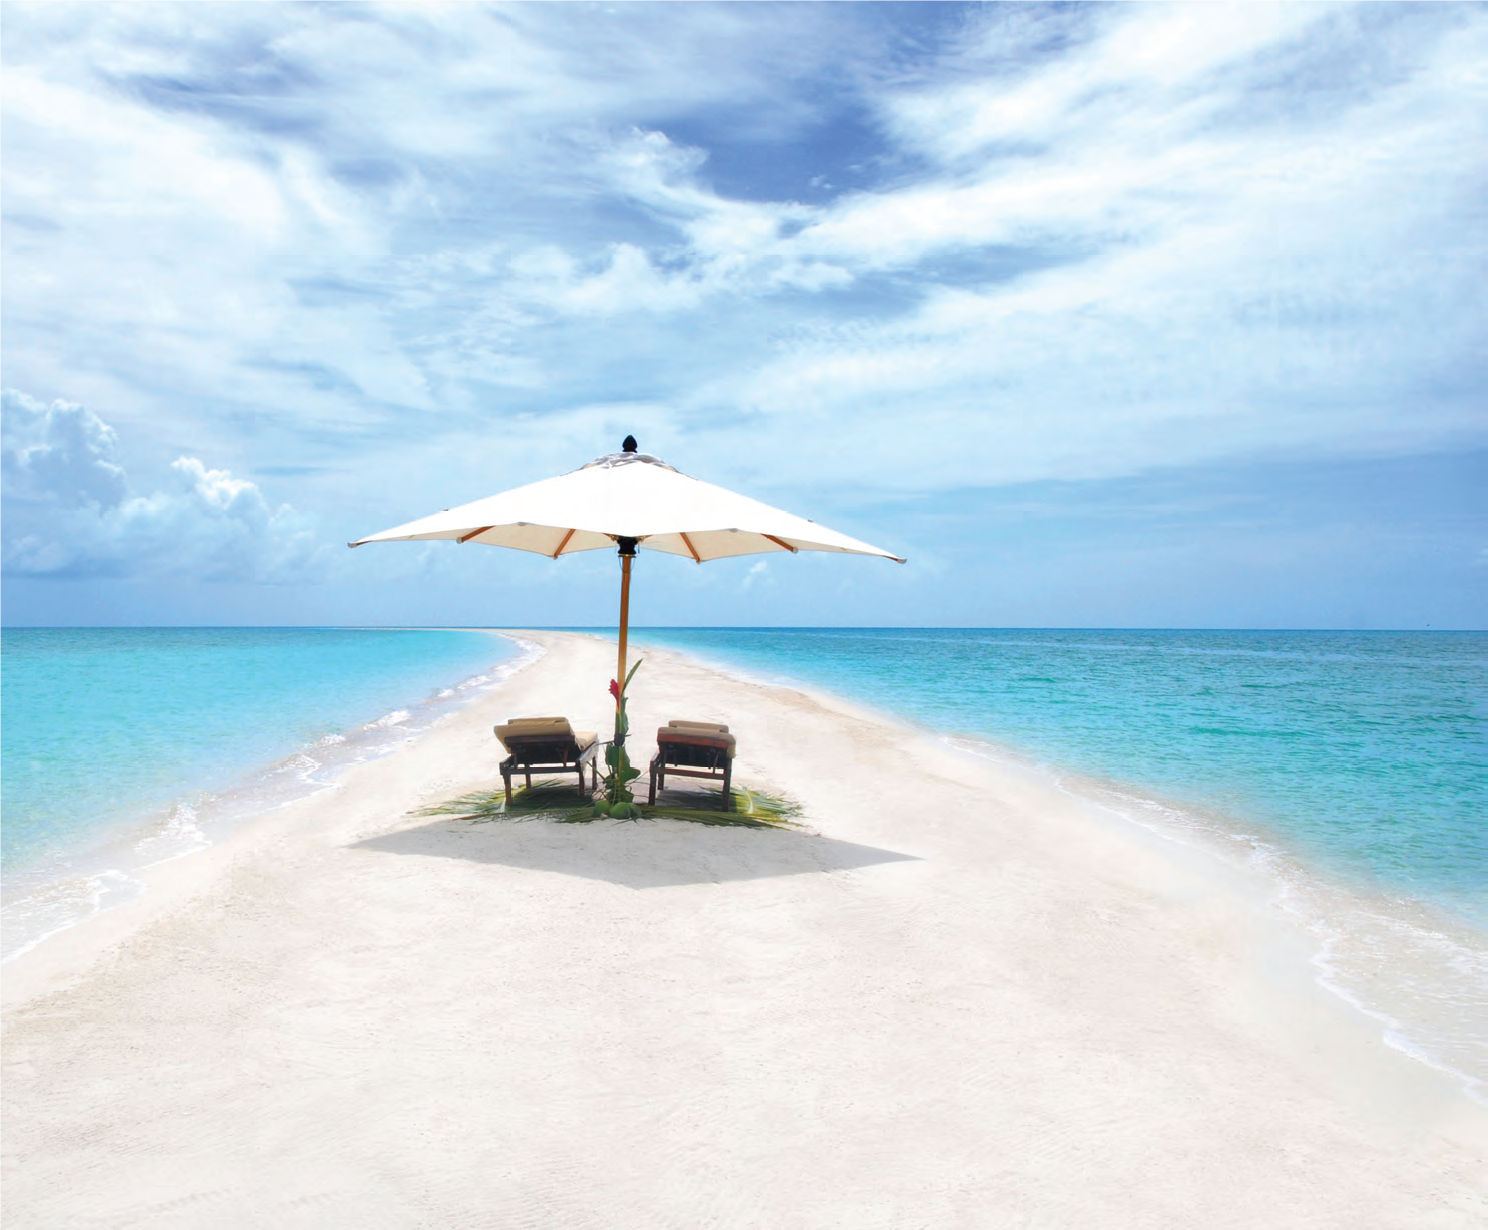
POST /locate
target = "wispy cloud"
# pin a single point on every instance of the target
(758, 571)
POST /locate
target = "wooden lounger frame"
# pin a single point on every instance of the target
(544, 754)
(704, 756)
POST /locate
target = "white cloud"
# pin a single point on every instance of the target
(69, 512)
(1214, 288)
(758, 571)
(59, 454)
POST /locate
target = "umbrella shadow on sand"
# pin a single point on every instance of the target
(659, 854)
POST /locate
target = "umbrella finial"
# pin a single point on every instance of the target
(630, 445)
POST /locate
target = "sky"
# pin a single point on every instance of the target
(1101, 315)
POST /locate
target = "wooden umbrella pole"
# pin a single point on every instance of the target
(624, 634)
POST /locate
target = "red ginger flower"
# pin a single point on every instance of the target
(615, 688)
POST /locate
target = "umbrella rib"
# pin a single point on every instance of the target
(564, 543)
(687, 542)
(475, 533)
(780, 542)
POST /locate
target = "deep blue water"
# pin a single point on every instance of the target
(1365, 754)
(104, 726)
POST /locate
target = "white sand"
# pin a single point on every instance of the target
(962, 1000)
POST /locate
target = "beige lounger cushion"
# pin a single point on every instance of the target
(704, 734)
(545, 729)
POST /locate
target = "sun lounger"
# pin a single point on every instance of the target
(693, 749)
(547, 745)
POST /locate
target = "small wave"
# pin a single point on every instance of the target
(396, 717)
(1418, 975)
(177, 835)
(301, 766)
(35, 916)
(35, 911)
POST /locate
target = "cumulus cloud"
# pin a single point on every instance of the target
(60, 455)
(69, 511)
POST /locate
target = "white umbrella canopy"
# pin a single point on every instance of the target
(628, 500)
(627, 495)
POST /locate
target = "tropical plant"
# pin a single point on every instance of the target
(617, 802)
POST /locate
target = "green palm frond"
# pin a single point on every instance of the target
(748, 808)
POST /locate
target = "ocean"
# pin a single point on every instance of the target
(1348, 769)
(125, 747)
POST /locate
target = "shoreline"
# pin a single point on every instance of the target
(1347, 957)
(948, 956)
(111, 867)
(1310, 895)
(1095, 783)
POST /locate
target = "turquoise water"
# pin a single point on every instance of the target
(107, 730)
(1365, 754)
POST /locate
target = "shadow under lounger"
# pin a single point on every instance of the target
(548, 745)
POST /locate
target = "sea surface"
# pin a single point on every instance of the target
(125, 747)
(1350, 769)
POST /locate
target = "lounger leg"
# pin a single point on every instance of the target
(506, 777)
(528, 775)
(651, 800)
(728, 779)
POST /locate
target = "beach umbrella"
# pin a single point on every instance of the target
(631, 501)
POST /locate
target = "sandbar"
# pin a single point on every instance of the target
(955, 997)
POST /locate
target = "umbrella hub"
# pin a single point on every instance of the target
(612, 460)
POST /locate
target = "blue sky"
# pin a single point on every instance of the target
(1109, 315)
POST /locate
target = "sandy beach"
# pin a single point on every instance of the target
(954, 997)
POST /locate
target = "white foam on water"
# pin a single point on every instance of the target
(68, 891)
(395, 718)
(301, 766)
(175, 836)
(34, 917)
(1420, 974)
